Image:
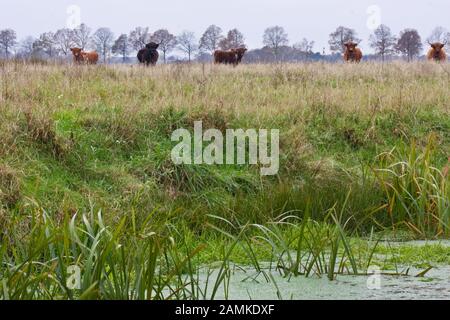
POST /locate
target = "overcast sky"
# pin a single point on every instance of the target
(311, 19)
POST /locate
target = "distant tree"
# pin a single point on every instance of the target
(103, 39)
(305, 45)
(46, 44)
(274, 38)
(234, 39)
(8, 40)
(26, 47)
(340, 37)
(439, 34)
(187, 43)
(139, 37)
(82, 36)
(122, 47)
(167, 41)
(64, 40)
(383, 42)
(305, 48)
(409, 43)
(211, 38)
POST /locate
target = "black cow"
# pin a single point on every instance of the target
(149, 55)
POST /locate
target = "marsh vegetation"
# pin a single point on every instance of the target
(86, 177)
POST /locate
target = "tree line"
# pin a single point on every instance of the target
(276, 42)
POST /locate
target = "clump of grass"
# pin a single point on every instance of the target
(9, 130)
(3, 218)
(194, 179)
(40, 128)
(168, 120)
(416, 190)
(215, 118)
(10, 187)
(122, 128)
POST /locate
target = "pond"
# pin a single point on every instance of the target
(245, 284)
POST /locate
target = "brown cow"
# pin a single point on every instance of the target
(437, 52)
(240, 54)
(225, 57)
(83, 57)
(352, 53)
(232, 56)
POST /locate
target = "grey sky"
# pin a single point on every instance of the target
(311, 19)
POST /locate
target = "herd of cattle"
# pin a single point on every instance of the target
(436, 53)
(149, 55)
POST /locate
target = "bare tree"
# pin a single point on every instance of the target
(383, 42)
(139, 37)
(234, 39)
(409, 43)
(8, 39)
(26, 47)
(167, 41)
(340, 37)
(46, 45)
(211, 38)
(122, 47)
(64, 40)
(82, 36)
(439, 34)
(103, 39)
(274, 38)
(305, 47)
(187, 43)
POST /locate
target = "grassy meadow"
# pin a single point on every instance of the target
(86, 176)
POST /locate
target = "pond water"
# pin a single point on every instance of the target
(246, 284)
(435, 285)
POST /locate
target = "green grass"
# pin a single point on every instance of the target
(364, 149)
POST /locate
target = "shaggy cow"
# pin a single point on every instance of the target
(352, 53)
(225, 57)
(149, 55)
(233, 56)
(437, 52)
(83, 57)
(240, 54)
